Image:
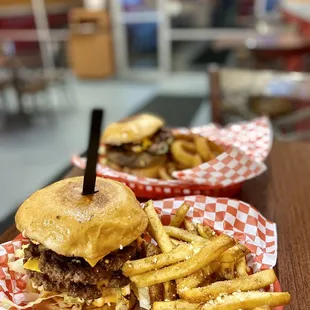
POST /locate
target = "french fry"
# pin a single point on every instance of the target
(206, 232)
(197, 278)
(250, 283)
(241, 267)
(163, 174)
(227, 271)
(170, 291)
(157, 229)
(234, 254)
(175, 305)
(191, 264)
(159, 235)
(211, 268)
(179, 217)
(176, 242)
(206, 255)
(202, 148)
(184, 235)
(190, 227)
(231, 255)
(180, 253)
(247, 300)
(191, 281)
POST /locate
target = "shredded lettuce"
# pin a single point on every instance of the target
(144, 298)
(8, 304)
(17, 266)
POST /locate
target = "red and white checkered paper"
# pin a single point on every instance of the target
(247, 145)
(232, 217)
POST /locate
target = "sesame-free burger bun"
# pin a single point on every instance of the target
(52, 305)
(132, 129)
(91, 226)
(147, 172)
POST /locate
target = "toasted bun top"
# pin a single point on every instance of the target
(90, 226)
(132, 129)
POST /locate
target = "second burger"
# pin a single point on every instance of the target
(138, 145)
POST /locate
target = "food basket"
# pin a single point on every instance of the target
(246, 144)
(232, 217)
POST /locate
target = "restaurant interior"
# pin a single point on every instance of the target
(192, 62)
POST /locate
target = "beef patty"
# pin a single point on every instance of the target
(74, 275)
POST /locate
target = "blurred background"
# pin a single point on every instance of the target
(191, 61)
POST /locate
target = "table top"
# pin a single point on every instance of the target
(289, 85)
(284, 41)
(281, 194)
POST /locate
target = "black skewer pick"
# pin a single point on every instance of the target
(92, 153)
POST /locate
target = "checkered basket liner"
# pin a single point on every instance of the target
(232, 217)
(246, 144)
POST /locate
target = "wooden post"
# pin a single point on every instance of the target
(215, 93)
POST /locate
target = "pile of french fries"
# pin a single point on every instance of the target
(188, 151)
(200, 269)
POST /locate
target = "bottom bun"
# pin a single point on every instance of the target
(53, 305)
(148, 172)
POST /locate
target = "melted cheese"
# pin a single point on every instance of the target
(104, 282)
(113, 299)
(145, 144)
(92, 262)
(32, 264)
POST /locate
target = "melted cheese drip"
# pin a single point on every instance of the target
(32, 264)
(92, 262)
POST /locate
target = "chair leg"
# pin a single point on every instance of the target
(34, 100)
(4, 102)
(215, 93)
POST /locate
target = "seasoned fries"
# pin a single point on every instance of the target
(235, 253)
(241, 268)
(198, 269)
(189, 226)
(206, 232)
(247, 300)
(180, 253)
(184, 235)
(156, 228)
(179, 217)
(205, 256)
(178, 305)
(170, 291)
(253, 282)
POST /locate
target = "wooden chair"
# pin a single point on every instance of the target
(5, 83)
(32, 89)
(59, 78)
(245, 94)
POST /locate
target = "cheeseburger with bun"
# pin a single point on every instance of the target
(137, 145)
(78, 244)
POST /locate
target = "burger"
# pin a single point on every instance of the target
(137, 145)
(78, 244)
